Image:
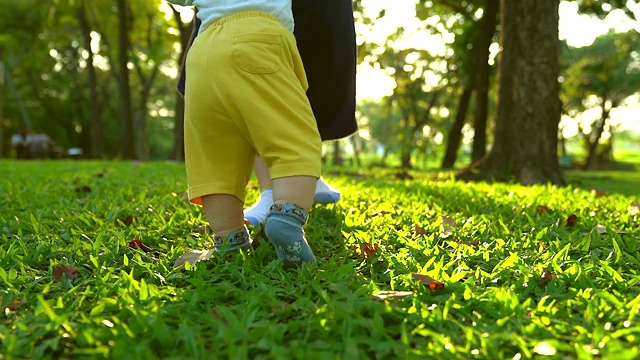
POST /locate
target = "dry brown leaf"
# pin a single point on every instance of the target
(541, 209)
(83, 188)
(418, 230)
(67, 270)
(14, 304)
(193, 257)
(367, 250)
(470, 243)
(448, 226)
(129, 220)
(571, 220)
(138, 244)
(601, 229)
(203, 229)
(379, 213)
(546, 277)
(428, 281)
(391, 294)
(634, 209)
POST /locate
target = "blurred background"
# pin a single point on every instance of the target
(96, 79)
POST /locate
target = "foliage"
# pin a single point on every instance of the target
(500, 278)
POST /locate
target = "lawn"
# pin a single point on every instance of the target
(409, 267)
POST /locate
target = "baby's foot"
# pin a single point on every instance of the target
(325, 193)
(235, 241)
(256, 214)
(283, 228)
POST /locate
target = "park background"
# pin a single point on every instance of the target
(100, 77)
(414, 261)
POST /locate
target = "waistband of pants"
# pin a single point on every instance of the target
(244, 15)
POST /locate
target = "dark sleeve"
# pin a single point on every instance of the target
(183, 66)
(325, 34)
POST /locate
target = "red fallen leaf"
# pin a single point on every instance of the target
(391, 294)
(418, 230)
(69, 271)
(83, 188)
(130, 220)
(541, 209)
(601, 194)
(571, 220)
(367, 250)
(546, 277)
(137, 244)
(428, 281)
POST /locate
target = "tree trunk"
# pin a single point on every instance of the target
(356, 150)
(1, 104)
(405, 158)
(483, 75)
(455, 133)
(597, 130)
(528, 109)
(126, 112)
(337, 154)
(97, 143)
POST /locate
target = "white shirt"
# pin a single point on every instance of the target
(210, 11)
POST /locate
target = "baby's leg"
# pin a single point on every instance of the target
(293, 197)
(226, 219)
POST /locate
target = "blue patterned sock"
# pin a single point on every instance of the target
(236, 240)
(283, 227)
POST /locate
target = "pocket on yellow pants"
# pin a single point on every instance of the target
(257, 53)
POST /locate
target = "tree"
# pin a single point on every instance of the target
(528, 108)
(127, 137)
(605, 73)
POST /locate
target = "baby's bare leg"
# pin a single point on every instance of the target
(293, 197)
(226, 219)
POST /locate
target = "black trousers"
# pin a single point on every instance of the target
(324, 31)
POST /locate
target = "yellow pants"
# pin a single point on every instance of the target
(245, 94)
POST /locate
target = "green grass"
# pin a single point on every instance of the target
(127, 304)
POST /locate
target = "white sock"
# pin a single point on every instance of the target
(258, 212)
(325, 193)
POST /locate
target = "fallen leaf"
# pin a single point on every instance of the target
(599, 194)
(391, 294)
(137, 244)
(541, 209)
(367, 250)
(379, 213)
(129, 220)
(428, 281)
(601, 229)
(448, 226)
(69, 271)
(404, 176)
(418, 230)
(14, 304)
(83, 188)
(193, 257)
(470, 243)
(571, 220)
(546, 277)
(634, 209)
